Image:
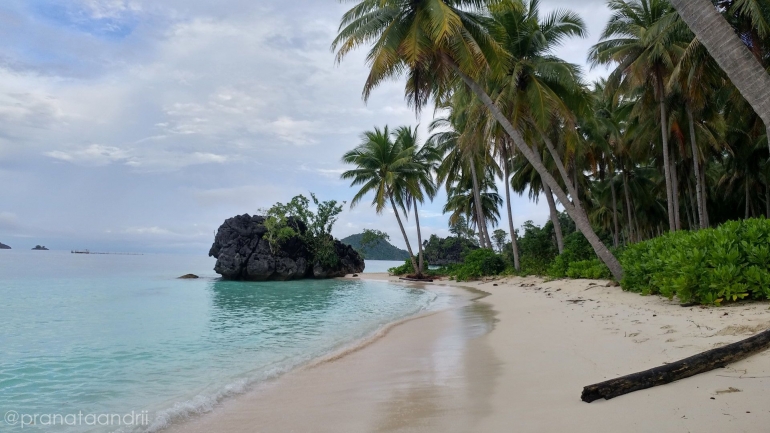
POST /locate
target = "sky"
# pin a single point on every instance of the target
(141, 125)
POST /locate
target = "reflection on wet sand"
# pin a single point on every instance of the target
(451, 391)
(433, 373)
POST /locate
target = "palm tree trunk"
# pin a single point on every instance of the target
(666, 154)
(732, 55)
(486, 242)
(421, 261)
(577, 214)
(629, 213)
(507, 173)
(767, 200)
(748, 199)
(575, 180)
(571, 189)
(477, 206)
(615, 212)
(696, 167)
(403, 232)
(704, 197)
(554, 217)
(675, 193)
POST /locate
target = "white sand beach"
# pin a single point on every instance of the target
(517, 360)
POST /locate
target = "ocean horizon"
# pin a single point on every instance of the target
(85, 336)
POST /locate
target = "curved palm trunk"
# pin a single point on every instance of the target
(421, 261)
(615, 213)
(571, 189)
(696, 167)
(732, 55)
(514, 243)
(576, 213)
(480, 219)
(554, 214)
(403, 232)
(666, 153)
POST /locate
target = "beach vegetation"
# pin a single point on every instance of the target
(314, 225)
(668, 142)
(712, 266)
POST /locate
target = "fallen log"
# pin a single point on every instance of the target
(700, 363)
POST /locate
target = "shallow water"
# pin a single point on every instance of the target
(104, 335)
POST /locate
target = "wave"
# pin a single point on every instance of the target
(201, 404)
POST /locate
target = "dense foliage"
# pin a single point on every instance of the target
(710, 266)
(447, 251)
(296, 218)
(664, 143)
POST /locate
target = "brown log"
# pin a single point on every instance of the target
(700, 363)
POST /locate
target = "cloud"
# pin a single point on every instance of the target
(94, 154)
(175, 115)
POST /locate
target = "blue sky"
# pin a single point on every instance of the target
(140, 125)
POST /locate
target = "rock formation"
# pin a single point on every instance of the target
(39, 248)
(243, 254)
(4, 246)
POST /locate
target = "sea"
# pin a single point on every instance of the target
(117, 343)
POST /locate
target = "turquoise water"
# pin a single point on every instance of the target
(115, 335)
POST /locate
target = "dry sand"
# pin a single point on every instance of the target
(516, 361)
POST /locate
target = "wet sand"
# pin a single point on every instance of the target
(517, 360)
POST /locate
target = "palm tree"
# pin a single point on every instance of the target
(645, 40)
(732, 55)
(387, 169)
(426, 159)
(434, 42)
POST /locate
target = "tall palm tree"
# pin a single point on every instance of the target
(426, 159)
(645, 40)
(433, 43)
(732, 55)
(387, 169)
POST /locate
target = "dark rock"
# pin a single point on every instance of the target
(39, 248)
(243, 254)
(189, 277)
(4, 246)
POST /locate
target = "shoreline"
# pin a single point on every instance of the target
(517, 359)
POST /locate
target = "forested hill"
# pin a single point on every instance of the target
(382, 250)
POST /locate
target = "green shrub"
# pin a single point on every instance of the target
(479, 263)
(711, 266)
(592, 269)
(404, 269)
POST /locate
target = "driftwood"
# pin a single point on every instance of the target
(701, 363)
(417, 280)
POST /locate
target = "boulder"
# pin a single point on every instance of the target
(242, 253)
(189, 277)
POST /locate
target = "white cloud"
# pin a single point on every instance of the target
(95, 154)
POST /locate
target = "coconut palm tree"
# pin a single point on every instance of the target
(426, 158)
(732, 55)
(387, 169)
(645, 39)
(433, 43)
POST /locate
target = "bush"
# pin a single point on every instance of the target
(404, 269)
(711, 266)
(592, 269)
(479, 263)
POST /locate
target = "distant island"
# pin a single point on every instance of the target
(4, 246)
(381, 250)
(39, 248)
